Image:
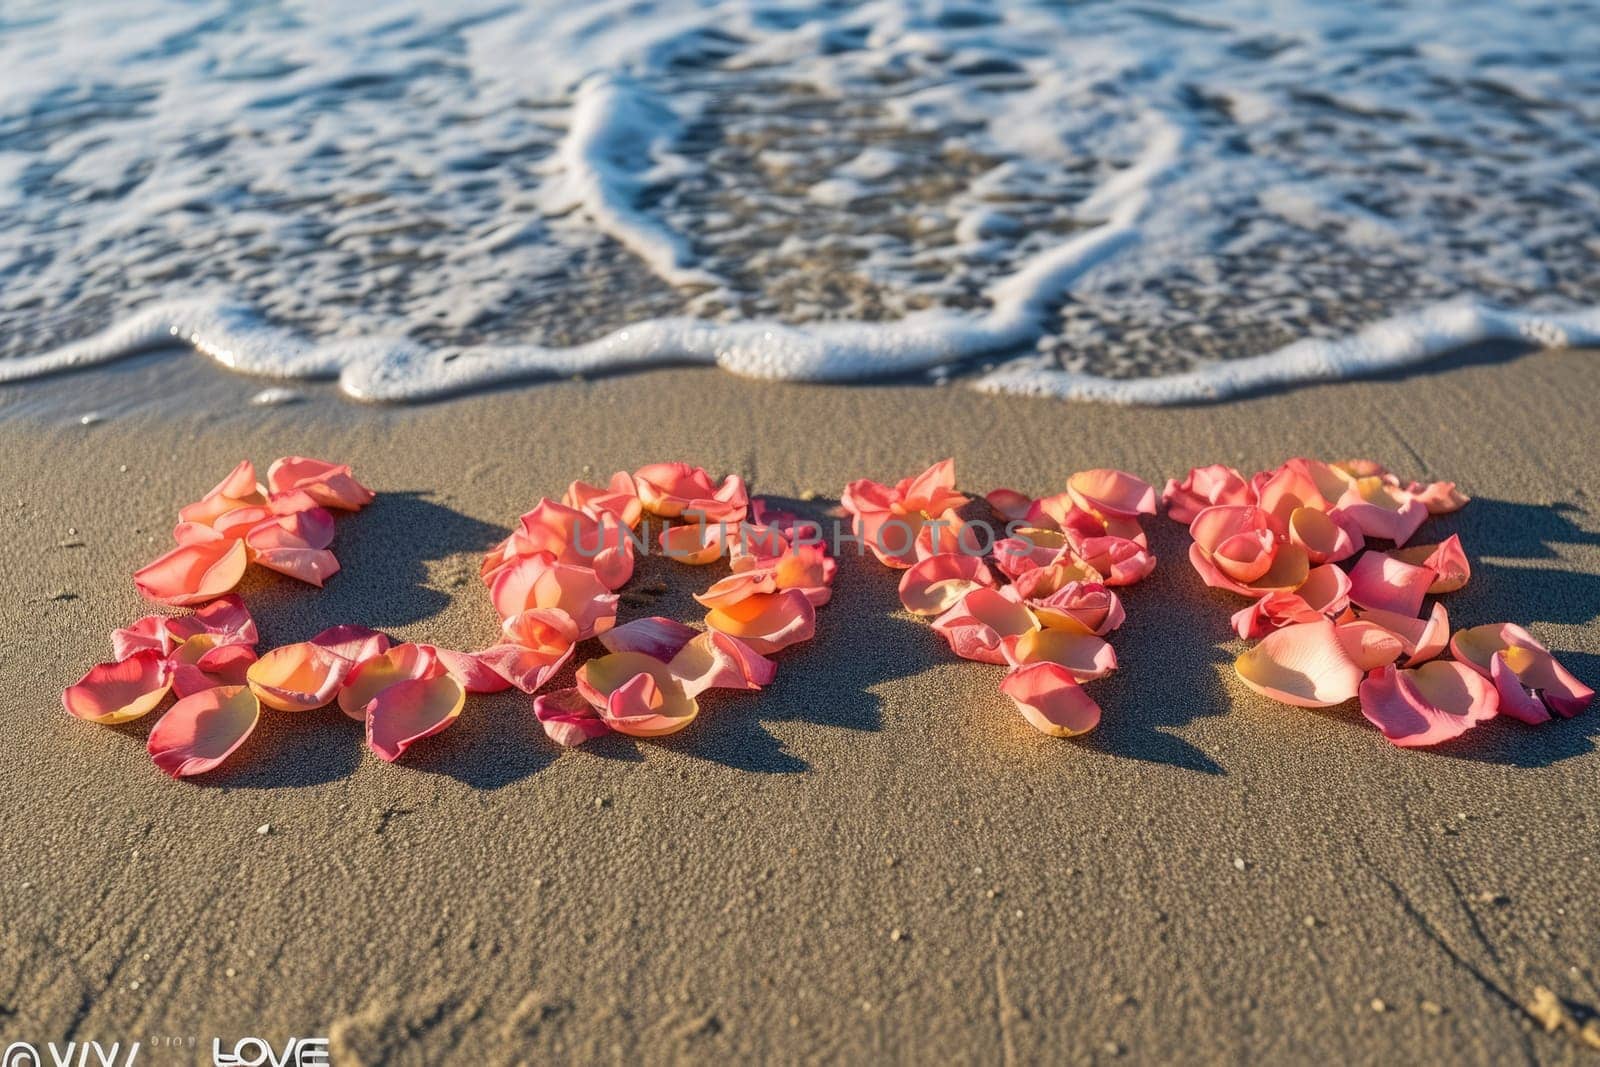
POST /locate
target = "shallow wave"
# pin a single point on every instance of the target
(1130, 203)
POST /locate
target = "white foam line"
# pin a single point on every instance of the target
(1395, 343)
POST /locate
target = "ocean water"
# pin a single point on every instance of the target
(1129, 201)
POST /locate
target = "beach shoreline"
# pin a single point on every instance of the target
(873, 857)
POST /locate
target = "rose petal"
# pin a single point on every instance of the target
(1299, 484)
(406, 712)
(1325, 539)
(1422, 639)
(1289, 570)
(1027, 549)
(1531, 667)
(1051, 700)
(1112, 492)
(977, 627)
(767, 621)
(1381, 510)
(1088, 607)
(330, 485)
(636, 694)
(1204, 487)
(310, 565)
(1516, 700)
(237, 490)
(646, 707)
(1369, 645)
(201, 663)
(1041, 583)
(657, 637)
(536, 582)
(947, 533)
(203, 729)
(117, 692)
(570, 536)
(472, 672)
(714, 660)
(1305, 665)
(567, 718)
(1382, 582)
(619, 497)
(1009, 504)
(373, 675)
(193, 574)
(353, 643)
(1324, 593)
(674, 489)
(537, 644)
(694, 544)
(1121, 561)
(1447, 559)
(148, 634)
(1440, 498)
(298, 677)
(1085, 655)
(936, 584)
(1433, 703)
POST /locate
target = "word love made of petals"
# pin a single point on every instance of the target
(1339, 603)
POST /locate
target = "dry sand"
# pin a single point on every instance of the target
(874, 857)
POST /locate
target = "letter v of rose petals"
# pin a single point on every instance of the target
(118, 692)
(1305, 664)
(406, 712)
(1051, 700)
(1435, 702)
(567, 718)
(935, 585)
(203, 729)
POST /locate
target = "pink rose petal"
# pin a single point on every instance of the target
(1305, 665)
(936, 584)
(118, 692)
(655, 636)
(1051, 700)
(716, 661)
(406, 712)
(1384, 583)
(567, 718)
(1433, 703)
(203, 729)
(977, 627)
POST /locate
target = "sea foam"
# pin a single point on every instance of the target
(1124, 205)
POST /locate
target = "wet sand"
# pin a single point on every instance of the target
(873, 857)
